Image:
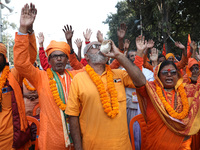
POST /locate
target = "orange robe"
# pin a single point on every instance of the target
(51, 130)
(6, 118)
(99, 132)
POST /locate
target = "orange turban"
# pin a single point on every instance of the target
(3, 49)
(168, 55)
(192, 62)
(58, 46)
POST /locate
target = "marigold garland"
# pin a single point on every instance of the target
(3, 78)
(54, 90)
(110, 105)
(28, 86)
(168, 107)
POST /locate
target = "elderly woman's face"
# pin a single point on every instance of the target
(168, 76)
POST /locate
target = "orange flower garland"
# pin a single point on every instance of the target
(168, 107)
(110, 105)
(3, 78)
(54, 91)
(28, 86)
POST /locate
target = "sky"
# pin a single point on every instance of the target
(53, 15)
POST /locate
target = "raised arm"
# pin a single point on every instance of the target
(78, 43)
(43, 58)
(150, 45)
(87, 35)
(68, 34)
(154, 56)
(134, 72)
(121, 34)
(99, 36)
(181, 64)
(193, 46)
(126, 46)
(21, 47)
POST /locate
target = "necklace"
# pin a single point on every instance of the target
(28, 86)
(3, 78)
(173, 96)
(169, 108)
(54, 90)
(110, 104)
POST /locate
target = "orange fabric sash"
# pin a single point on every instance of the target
(20, 101)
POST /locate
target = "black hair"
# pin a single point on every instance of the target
(160, 55)
(129, 52)
(166, 63)
(4, 63)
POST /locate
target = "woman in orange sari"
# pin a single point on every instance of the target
(170, 108)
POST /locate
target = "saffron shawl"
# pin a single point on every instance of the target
(187, 126)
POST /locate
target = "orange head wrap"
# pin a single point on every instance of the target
(3, 49)
(192, 62)
(58, 46)
(168, 55)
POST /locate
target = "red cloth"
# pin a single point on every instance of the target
(43, 59)
(164, 50)
(84, 61)
(188, 45)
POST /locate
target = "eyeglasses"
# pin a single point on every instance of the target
(166, 72)
(56, 56)
(94, 46)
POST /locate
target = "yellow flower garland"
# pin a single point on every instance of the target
(110, 105)
(28, 86)
(3, 78)
(168, 107)
(54, 91)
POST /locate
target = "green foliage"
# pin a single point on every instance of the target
(160, 18)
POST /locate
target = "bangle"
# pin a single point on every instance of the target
(72, 51)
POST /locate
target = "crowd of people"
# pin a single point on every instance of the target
(88, 103)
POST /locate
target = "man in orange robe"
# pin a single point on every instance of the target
(99, 129)
(14, 131)
(53, 128)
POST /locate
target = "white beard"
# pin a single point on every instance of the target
(97, 58)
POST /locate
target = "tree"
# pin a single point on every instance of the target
(126, 15)
(161, 18)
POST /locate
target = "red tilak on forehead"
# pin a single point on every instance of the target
(168, 70)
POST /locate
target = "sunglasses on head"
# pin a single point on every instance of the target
(166, 72)
(94, 46)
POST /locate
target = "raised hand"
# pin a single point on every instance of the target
(180, 45)
(27, 17)
(99, 36)
(154, 55)
(68, 32)
(40, 39)
(198, 55)
(78, 43)
(121, 31)
(193, 45)
(141, 45)
(150, 44)
(114, 51)
(126, 44)
(87, 35)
